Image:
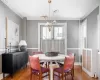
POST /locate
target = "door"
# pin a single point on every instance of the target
(53, 40)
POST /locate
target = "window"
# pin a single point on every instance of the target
(46, 33)
(58, 32)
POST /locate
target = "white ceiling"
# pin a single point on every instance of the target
(68, 9)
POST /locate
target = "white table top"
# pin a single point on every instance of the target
(43, 57)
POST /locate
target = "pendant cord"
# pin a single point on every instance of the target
(49, 11)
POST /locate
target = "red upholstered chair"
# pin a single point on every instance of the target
(36, 69)
(61, 63)
(67, 69)
(38, 52)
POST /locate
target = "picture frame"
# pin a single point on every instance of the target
(12, 33)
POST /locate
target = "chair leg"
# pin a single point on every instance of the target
(40, 76)
(72, 73)
(31, 77)
(46, 64)
(53, 75)
(72, 76)
(65, 76)
(62, 76)
(34, 77)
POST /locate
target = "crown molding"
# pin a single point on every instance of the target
(58, 18)
(6, 3)
(89, 12)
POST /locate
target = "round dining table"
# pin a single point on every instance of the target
(52, 59)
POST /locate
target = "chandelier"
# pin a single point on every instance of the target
(50, 23)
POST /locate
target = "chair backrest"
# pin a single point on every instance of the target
(71, 54)
(37, 52)
(34, 62)
(69, 62)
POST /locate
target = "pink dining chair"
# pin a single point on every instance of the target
(38, 52)
(69, 54)
(67, 69)
(36, 69)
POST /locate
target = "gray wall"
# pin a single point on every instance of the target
(72, 31)
(92, 29)
(24, 27)
(6, 12)
(73, 34)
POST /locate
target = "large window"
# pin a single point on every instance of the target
(56, 33)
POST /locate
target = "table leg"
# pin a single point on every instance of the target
(52, 66)
(57, 63)
(47, 64)
(51, 71)
(44, 63)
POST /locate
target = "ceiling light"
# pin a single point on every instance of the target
(50, 23)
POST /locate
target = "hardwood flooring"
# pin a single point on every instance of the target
(24, 74)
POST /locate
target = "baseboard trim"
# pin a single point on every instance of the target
(78, 63)
(87, 72)
(1, 76)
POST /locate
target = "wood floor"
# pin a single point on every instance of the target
(24, 74)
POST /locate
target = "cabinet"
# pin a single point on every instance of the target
(12, 62)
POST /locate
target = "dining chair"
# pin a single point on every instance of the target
(42, 62)
(67, 69)
(62, 63)
(37, 70)
(38, 52)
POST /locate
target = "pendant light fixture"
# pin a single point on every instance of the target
(50, 23)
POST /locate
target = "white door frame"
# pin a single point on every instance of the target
(65, 34)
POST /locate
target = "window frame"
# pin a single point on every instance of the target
(53, 33)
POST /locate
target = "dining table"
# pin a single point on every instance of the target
(46, 59)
